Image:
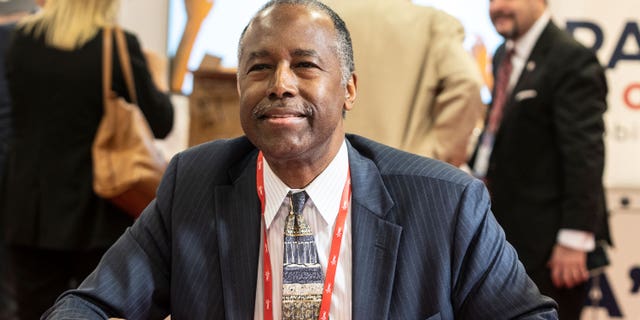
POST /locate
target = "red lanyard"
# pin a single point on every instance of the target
(338, 231)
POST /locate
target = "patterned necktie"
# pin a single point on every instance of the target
(302, 277)
(500, 94)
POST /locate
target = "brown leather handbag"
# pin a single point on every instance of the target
(127, 167)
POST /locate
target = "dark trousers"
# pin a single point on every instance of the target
(570, 301)
(41, 275)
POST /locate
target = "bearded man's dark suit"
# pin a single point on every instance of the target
(545, 171)
(424, 243)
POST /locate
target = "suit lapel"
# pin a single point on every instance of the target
(375, 241)
(538, 53)
(238, 227)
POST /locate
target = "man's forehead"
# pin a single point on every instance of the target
(283, 15)
(285, 27)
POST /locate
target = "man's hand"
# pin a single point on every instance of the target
(568, 267)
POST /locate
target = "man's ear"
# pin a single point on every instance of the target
(350, 92)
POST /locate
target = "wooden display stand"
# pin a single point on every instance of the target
(213, 107)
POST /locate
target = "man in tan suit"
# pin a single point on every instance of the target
(418, 89)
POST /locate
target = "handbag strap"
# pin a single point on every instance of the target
(125, 62)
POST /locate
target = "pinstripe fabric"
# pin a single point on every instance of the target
(424, 244)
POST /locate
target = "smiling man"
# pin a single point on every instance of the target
(294, 91)
(298, 220)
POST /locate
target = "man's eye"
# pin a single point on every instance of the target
(306, 65)
(258, 67)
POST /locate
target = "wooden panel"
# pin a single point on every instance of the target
(213, 107)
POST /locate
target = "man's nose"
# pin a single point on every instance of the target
(283, 83)
(496, 4)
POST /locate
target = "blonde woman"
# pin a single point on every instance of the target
(56, 227)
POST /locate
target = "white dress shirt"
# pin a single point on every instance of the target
(320, 213)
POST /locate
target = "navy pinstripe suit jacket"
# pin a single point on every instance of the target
(425, 245)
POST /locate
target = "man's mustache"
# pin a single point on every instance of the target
(500, 15)
(266, 108)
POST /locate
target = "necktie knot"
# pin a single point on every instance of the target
(298, 199)
(510, 53)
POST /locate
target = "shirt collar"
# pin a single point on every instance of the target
(324, 191)
(524, 44)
